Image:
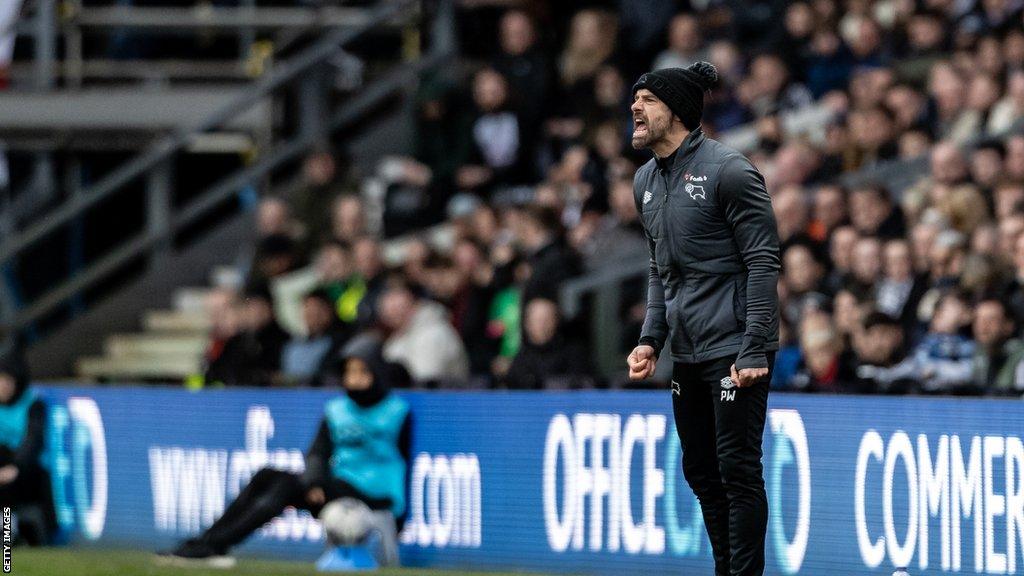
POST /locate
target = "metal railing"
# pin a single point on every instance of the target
(163, 222)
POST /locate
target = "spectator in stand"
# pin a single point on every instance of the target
(9, 12)
(274, 219)
(547, 359)
(262, 338)
(1015, 288)
(369, 265)
(899, 290)
(591, 44)
(879, 345)
(873, 213)
(348, 218)
(769, 88)
(421, 337)
(473, 291)
(276, 255)
(550, 260)
(801, 276)
(526, 68)
(252, 355)
(829, 211)
(499, 150)
(944, 360)
(998, 355)
(685, 44)
(336, 275)
(840, 253)
(791, 213)
(305, 359)
(224, 356)
(987, 165)
(826, 366)
(605, 240)
(866, 267)
(1010, 109)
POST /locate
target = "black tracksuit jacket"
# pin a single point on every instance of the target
(714, 249)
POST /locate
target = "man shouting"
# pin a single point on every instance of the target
(714, 251)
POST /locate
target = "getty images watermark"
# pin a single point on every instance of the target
(7, 539)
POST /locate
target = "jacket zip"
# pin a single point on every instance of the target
(666, 176)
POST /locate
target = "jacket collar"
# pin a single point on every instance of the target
(682, 155)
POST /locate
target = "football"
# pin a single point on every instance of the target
(346, 521)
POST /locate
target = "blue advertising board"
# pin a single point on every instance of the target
(579, 482)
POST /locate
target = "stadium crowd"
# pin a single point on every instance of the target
(526, 160)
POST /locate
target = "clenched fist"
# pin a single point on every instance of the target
(641, 362)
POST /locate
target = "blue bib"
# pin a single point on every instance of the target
(14, 420)
(366, 451)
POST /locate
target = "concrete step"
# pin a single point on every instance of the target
(227, 277)
(176, 321)
(148, 367)
(190, 299)
(123, 345)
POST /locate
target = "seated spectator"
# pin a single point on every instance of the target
(369, 264)
(685, 44)
(944, 360)
(224, 355)
(791, 215)
(24, 482)
(550, 260)
(865, 267)
(829, 212)
(336, 275)
(305, 358)
(840, 254)
(802, 275)
(547, 360)
(472, 293)
(372, 470)
(879, 345)
(273, 219)
(826, 367)
(873, 213)
(348, 218)
(899, 290)
(788, 359)
(526, 67)
(499, 152)
(998, 354)
(1009, 109)
(262, 338)
(420, 337)
(251, 356)
(987, 165)
(276, 255)
(770, 87)
(616, 235)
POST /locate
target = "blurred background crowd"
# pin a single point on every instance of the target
(454, 258)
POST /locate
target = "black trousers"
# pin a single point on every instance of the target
(720, 428)
(31, 490)
(267, 495)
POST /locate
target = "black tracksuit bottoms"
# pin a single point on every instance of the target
(720, 428)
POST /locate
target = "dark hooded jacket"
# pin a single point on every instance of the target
(385, 376)
(28, 452)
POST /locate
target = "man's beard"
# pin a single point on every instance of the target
(647, 137)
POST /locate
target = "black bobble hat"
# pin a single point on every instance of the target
(682, 89)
